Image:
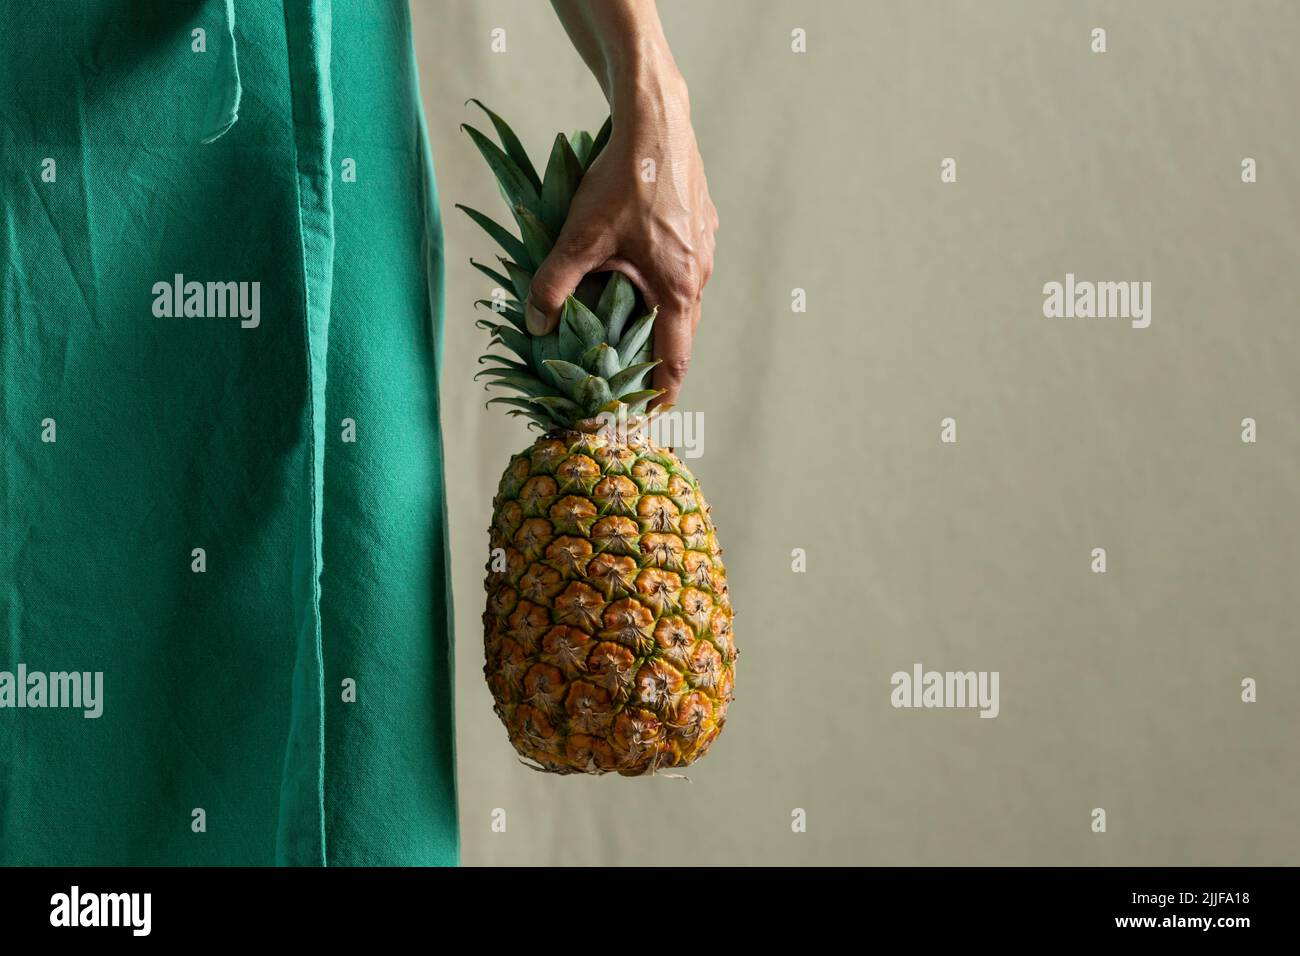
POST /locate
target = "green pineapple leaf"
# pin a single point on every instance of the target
(593, 392)
(563, 173)
(637, 400)
(514, 248)
(631, 378)
(495, 276)
(519, 381)
(543, 422)
(537, 238)
(520, 279)
(571, 344)
(546, 347)
(583, 322)
(518, 342)
(601, 360)
(524, 403)
(496, 371)
(560, 409)
(598, 144)
(504, 362)
(568, 375)
(515, 317)
(581, 142)
(636, 336)
(515, 185)
(514, 149)
(616, 304)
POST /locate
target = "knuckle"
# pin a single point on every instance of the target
(580, 236)
(677, 366)
(545, 290)
(683, 282)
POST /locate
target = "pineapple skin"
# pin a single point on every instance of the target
(608, 635)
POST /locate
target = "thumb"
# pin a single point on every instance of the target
(577, 251)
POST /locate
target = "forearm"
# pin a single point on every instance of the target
(623, 44)
(643, 207)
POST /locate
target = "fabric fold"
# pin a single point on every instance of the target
(300, 838)
(225, 94)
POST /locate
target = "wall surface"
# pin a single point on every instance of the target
(1119, 690)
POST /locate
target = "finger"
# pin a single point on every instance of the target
(674, 332)
(576, 252)
(707, 248)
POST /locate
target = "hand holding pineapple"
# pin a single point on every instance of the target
(644, 208)
(608, 625)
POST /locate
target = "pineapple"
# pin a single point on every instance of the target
(608, 625)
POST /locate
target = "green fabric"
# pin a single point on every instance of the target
(223, 688)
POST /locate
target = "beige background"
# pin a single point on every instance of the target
(1119, 690)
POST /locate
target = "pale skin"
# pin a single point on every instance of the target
(658, 233)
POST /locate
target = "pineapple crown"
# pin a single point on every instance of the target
(596, 360)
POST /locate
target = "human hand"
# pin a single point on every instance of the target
(643, 209)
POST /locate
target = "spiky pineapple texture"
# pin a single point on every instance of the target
(608, 625)
(607, 633)
(596, 359)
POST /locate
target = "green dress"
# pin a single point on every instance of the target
(222, 481)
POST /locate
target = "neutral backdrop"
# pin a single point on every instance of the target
(1120, 690)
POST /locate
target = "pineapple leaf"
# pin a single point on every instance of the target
(593, 392)
(616, 304)
(583, 323)
(607, 361)
(520, 278)
(514, 248)
(559, 408)
(571, 345)
(637, 400)
(563, 173)
(598, 144)
(514, 149)
(581, 142)
(495, 370)
(537, 238)
(515, 186)
(515, 317)
(520, 382)
(546, 347)
(518, 342)
(525, 403)
(543, 422)
(504, 363)
(630, 378)
(601, 360)
(568, 375)
(492, 274)
(637, 335)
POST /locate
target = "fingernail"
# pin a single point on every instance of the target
(534, 319)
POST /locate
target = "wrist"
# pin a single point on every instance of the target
(645, 80)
